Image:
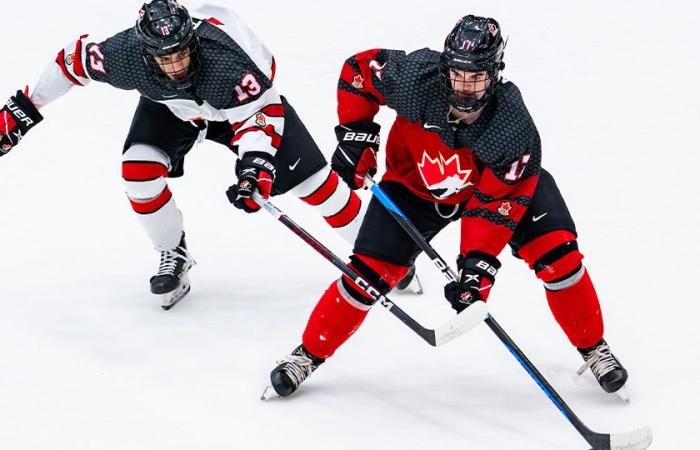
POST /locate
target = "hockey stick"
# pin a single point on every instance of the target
(639, 439)
(459, 325)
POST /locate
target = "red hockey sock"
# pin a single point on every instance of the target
(577, 310)
(334, 319)
(343, 307)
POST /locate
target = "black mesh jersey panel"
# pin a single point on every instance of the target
(223, 65)
(413, 86)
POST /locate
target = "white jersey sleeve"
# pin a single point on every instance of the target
(60, 75)
(258, 126)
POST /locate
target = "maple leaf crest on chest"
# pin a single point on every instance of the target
(442, 176)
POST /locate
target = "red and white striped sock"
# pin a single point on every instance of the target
(332, 198)
(145, 169)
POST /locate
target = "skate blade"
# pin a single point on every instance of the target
(623, 393)
(414, 287)
(269, 393)
(167, 301)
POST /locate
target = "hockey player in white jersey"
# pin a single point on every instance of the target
(200, 76)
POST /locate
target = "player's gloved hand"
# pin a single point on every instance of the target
(356, 154)
(255, 171)
(17, 117)
(477, 273)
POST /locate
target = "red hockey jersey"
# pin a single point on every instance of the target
(491, 165)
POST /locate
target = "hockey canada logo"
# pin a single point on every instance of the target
(443, 177)
(492, 29)
(358, 82)
(260, 120)
(505, 208)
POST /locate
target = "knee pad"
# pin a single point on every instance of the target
(555, 258)
(144, 170)
(381, 275)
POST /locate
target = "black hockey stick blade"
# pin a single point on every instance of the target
(455, 327)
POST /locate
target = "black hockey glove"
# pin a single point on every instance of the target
(477, 275)
(356, 154)
(255, 171)
(17, 117)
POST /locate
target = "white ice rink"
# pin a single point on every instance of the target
(88, 360)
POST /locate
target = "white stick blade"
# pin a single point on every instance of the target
(634, 440)
(463, 322)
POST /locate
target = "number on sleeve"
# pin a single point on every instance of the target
(517, 168)
(249, 87)
(96, 58)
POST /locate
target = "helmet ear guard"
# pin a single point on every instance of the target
(165, 29)
(475, 44)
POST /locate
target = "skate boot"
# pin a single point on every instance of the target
(290, 372)
(605, 367)
(171, 283)
(410, 283)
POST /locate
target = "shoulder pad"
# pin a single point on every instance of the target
(510, 132)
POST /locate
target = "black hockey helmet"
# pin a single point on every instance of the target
(475, 44)
(165, 29)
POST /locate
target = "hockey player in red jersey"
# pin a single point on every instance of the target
(200, 76)
(463, 147)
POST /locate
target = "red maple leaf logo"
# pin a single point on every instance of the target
(505, 208)
(443, 177)
(358, 82)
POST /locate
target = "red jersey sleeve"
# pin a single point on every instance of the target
(360, 87)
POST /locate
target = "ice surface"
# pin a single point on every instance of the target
(88, 360)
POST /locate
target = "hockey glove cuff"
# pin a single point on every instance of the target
(356, 153)
(477, 273)
(255, 171)
(17, 117)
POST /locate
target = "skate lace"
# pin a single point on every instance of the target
(170, 258)
(297, 367)
(600, 361)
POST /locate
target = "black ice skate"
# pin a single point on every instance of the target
(290, 372)
(410, 283)
(171, 283)
(605, 367)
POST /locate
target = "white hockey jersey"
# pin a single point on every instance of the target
(234, 83)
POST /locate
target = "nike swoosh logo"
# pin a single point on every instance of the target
(431, 127)
(294, 166)
(536, 218)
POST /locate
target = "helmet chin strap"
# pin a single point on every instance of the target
(455, 116)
